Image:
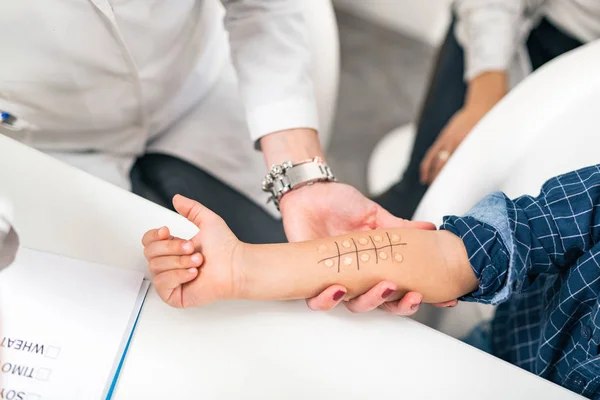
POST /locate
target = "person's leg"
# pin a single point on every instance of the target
(546, 42)
(159, 177)
(446, 95)
(208, 155)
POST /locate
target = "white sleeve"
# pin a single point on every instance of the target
(489, 31)
(271, 55)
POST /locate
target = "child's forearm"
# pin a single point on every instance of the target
(434, 263)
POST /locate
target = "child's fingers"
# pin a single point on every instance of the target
(168, 248)
(327, 299)
(375, 297)
(168, 282)
(154, 235)
(161, 264)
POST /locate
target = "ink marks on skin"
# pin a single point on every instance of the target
(359, 250)
(329, 262)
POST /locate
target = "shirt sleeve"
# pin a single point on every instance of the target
(488, 31)
(270, 51)
(511, 242)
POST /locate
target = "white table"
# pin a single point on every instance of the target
(239, 349)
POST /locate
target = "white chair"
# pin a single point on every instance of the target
(389, 159)
(545, 126)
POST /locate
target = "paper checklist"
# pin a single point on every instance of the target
(64, 326)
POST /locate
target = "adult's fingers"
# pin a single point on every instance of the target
(387, 220)
(158, 265)
(445, 304)
(408, 305)
(440, 161)
(427, 162)
(375, 297)
(168, 248)
(429, 226)
(327, 299)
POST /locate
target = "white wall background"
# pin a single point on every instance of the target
(426, 20)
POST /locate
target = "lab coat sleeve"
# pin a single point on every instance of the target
(271, 55)
(489, 32)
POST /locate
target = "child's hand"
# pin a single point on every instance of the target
(194, 272)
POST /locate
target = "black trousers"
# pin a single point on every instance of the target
(446, 96)
(159, 177)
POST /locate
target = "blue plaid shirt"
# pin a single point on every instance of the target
(538, 258)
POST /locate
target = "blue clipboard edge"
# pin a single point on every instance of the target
(143, 293)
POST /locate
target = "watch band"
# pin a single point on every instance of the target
(287, 176)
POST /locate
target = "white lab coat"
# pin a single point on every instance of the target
(493, 33)
(100, 82)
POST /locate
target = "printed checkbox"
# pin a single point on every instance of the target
(33, 396)
(52, 352)
(43, 374)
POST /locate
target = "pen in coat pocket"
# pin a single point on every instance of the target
(13, 123)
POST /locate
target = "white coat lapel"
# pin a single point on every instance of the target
(106, 9)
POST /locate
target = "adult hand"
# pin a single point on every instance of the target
(484, 92)
(376, 298)
(322, 209)
(453, 134)
(331, 209)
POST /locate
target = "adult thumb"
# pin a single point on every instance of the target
(387, 220)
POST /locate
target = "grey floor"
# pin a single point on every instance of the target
(383, 77)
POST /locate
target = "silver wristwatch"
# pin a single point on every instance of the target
(287, 176)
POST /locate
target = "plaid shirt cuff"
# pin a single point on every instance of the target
(485, 232)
